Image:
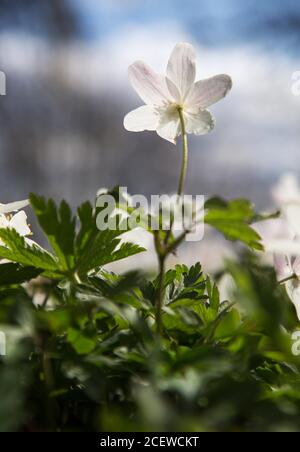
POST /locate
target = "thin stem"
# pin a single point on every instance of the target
(161, 295)
(289, 278)
(185, 151)
(163, 249)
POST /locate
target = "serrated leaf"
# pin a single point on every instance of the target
(17, 250)
(228, 325)
(233, 220)
(104, 249)
(82, 345)
(11, 273)
(87, 228)
(59, 227)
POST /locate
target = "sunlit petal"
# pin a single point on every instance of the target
(169, 125)
(181, 68)
(296, 265)
(13, 207)
(207, 92)
(283, 266)
(293, 290)
(19, 223)
(199, 123)
(150, 86)
(143, 118)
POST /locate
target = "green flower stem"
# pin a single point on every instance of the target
(185, 151)
(164, 250)
(161, 294)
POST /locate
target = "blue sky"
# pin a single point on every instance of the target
(270, 23)
(256, 42)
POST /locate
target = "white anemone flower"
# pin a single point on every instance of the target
(165, 96)
(17, 222)
(288, 271)
(282, 237)
(9, 219)
(287, 196)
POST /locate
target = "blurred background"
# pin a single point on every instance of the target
(61, 122)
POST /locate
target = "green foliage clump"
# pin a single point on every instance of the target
(83, 352)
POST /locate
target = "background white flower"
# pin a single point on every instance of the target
(287, 196)
(17, 221)
(289, 267)
(164, 95)
(282, 236)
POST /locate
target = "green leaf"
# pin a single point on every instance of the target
(185, 283)
(12, 273)
(105, 248)
(82, 345)
(228, 326)
(87, 250)
(88, 227)
(213, 294)
(17, 250)
(233, 220)
(59, 227)
(111, 285)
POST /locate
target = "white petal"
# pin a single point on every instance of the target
(293, 290)
(13, 207)
(174, 91)
(143, 118)
(296, 265)
(4, 223)
(170, 131)
(207, 92)
(181, 68)
(19, 223)
(150, 86)
(283, 266)
(169, 125)
(199, 123)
